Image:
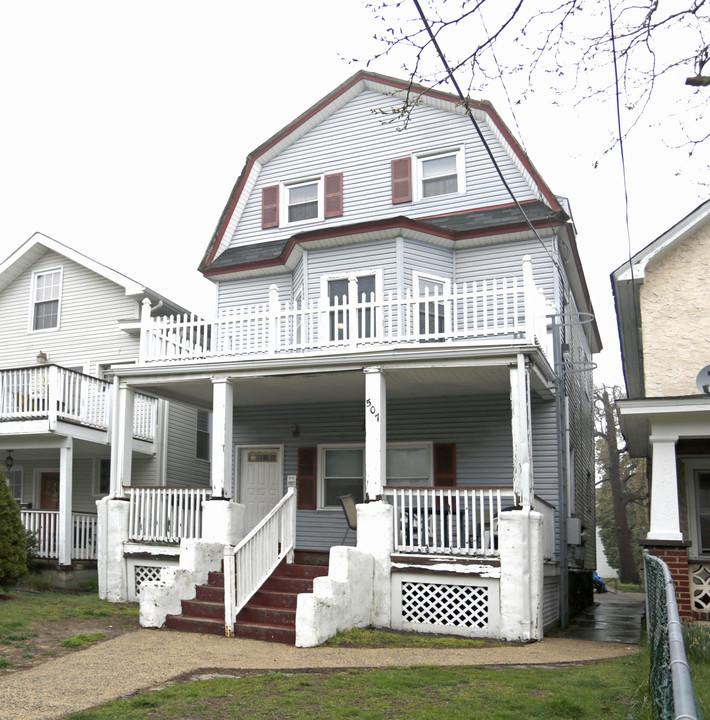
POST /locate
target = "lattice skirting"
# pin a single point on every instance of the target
(700, 587)
(141, 571)
(456, 605)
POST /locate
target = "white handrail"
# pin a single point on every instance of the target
(248, 565)
(449, 521)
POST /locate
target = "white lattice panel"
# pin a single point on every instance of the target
(700, 587)
(146, 573)
(452, 604)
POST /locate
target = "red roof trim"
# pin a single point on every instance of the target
(374, 226)
(340, 90)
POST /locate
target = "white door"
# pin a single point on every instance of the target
(260, 481)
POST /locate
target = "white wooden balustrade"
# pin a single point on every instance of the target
(450, 521)
(249, 564)
(509, 307)
(166, 515)
(53, 392)
(45, 525)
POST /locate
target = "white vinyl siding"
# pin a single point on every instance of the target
(354, 141)
(252, 291)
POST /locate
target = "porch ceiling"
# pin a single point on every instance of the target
(341, 385)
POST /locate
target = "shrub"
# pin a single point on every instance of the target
(13, 539)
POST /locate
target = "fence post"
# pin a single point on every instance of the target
(230, 599)
(273, 318)
(144, 345)
(54, 395)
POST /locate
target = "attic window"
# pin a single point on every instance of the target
(302, 201)
(46, 290)
(440, 174)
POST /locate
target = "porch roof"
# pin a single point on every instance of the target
(414, 373)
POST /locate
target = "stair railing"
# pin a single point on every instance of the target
(248, 565)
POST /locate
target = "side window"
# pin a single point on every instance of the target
(432, 308)
(440, 173)
(14, 480)
(702, 498)
(102, 476)
(202, 438)
(46, 292)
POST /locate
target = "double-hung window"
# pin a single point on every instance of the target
(46, 291)
(303, 201)
(14, 480)
(343, 473)
(202, 436)
(440, 173)
(433, 308)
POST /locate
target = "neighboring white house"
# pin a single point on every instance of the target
(67, 321)
(389, 327)
(662, 302)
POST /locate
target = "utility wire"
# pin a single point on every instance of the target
(466, 105)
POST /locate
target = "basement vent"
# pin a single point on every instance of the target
(700, 587)
(450, 605)
(146, 573)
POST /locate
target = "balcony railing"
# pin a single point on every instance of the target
(165, 515)
(45, 526)
(55, 393)
(510, 308)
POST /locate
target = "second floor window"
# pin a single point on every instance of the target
(440, 174)
(302, 201)
(46, 289)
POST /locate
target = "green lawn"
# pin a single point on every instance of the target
(613, 690)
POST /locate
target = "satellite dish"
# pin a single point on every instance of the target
(703, 380)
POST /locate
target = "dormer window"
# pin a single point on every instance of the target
(46, 290)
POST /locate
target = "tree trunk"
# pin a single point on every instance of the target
(627, 567)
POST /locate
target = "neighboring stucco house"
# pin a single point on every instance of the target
(662, 302)
(67, 321)
(390, 327)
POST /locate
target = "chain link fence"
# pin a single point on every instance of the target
(671, 686)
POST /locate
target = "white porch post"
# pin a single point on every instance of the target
(222, 409)
(375, 432)
(521, 430)
(122, 439)
(665, 519)
(64, 540)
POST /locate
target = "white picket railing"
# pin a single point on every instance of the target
(248, 565)
(511, 307)
(166, 515)
(45, 525)
(452, 521)
(53, 392)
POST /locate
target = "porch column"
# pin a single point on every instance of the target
(121, 439)
(665, 519)
(521, 430)
(375, 432)
(64, 530)
(221, 465)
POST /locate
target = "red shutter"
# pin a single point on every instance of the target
(270, 207)
(445, 465)
(401, 180)
(333, 195)
(306, 479)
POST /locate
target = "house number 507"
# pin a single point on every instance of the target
(373, 410)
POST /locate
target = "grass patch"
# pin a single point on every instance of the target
(373, 638)
(602, 690)
(697, 647)
(81, 639)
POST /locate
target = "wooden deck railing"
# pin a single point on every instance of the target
(508, 307)
(45, 525)
(55, 393)
(165, 514)
(249, 564)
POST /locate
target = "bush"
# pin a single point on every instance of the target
(13, 539)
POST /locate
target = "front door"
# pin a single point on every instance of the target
(260, 482)
(49, 491)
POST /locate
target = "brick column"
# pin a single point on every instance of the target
(675, 555)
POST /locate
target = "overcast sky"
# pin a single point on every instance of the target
(125, 125)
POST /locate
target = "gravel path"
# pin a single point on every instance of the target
(148, 658)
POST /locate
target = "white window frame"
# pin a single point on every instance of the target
(96, 484)
(429, 445)
(284, 204)
(34, 301)
(417, 278)
(418, 170)
(692, 467)
(209, 435)
(16, 470)
(355, 274)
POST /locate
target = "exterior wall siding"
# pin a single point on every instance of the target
(480, 427)
(183, 468)
(674, 300)
(359, 142)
